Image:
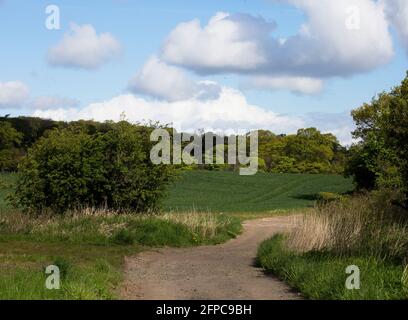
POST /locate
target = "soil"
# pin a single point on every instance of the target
(225, 271)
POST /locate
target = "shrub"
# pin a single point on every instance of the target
(108, 166)
(10, 139)
(325, 197)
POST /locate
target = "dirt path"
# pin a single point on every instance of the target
(225, 271)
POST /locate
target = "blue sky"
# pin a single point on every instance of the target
(140, 31)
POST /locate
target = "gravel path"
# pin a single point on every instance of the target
(225, 271)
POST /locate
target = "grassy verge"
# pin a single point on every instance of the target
(87, 271)
(323, 276)
(89, 248)
(365, 231)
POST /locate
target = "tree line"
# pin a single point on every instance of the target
(308, 151)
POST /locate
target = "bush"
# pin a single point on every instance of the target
(325, 197)
(10, 139)
(79, 166)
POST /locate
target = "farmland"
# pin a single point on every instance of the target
(96, 245)
(229, 192)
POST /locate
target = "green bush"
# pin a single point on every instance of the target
(329, 197)
(83, 166)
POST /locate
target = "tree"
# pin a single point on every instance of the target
(10, 140)
(92, 166)
(381, 156)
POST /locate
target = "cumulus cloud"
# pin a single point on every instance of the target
(340, 124)
(83, 48)
(325, 45)
(170, 83)
(230, 111)
(227, 42)
(397, 12)
(13, 94)
(53, 102)
(298, 85)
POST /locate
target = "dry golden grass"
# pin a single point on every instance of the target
(106, 222)
(206, 224)
(352, 226)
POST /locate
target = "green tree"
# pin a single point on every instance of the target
(10, 140)
(92, 166)
(380, 159)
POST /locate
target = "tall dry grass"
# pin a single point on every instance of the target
(205, 224)
(106, 222)
(360, 225)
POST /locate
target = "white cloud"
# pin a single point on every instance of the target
(230, 111)
(53, 102)
(83, 48)
(227, 42)
(170, 83)
(397, 12)
(302, 85)
(340, 124)
(13, 94)
(323, 47)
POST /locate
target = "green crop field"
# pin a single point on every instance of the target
(229, 192)
(218, 191)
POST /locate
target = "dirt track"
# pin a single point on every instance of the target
(225, 271)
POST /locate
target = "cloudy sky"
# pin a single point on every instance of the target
(215, 64)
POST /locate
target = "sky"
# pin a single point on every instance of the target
(225, 65)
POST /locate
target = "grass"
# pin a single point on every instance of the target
(323, 275)
(91, 248)
(366, 231)
(90, 245)
(229, 192)
(88, 271)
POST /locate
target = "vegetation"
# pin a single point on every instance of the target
(380, 159)
(229, 192)
(89, 247)
(308, 151)
(369, 230)
(363, 231)
(320, 275)
(80, 166)
(10, 139)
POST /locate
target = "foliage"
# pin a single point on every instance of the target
(106, 165)
(380, 159)
(10, 139)
(308, 151)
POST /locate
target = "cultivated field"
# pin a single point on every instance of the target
(229, 192)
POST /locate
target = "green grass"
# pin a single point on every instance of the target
(228, 192)
(322, 275)
(91, 249)
(88, 272)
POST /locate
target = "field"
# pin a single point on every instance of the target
(90, 249)
(229, 192)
